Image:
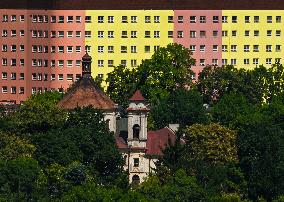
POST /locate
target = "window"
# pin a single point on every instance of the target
(215, 19)
(255, 48)
(278, 32)
(224, 33)
(100, 49)
(246, 61)
(233, 61)
(52, 77)
(4, 61)
(61, 19)
(156, 34)
(180, 19)
(100, 34)
(278, 19)
(192, 48)
(170, 19)
(45, 18)
(215, 48)
(52, 49)
(268, 61)
(133, 49)
(170, 34)
(256, 33)
(110, 49)
(78, 34)
(147, 34)
(123, 34)
(133, 19)
(147, 49)
(247, 32)
(247, 19)
(192, 34)
(180, 34)
(215, 34)
(70, 19)
(60, 34)
(69, 49)
(60, 77)
(268, 48)
(214, 61)
(100, 63)
(4, 48)
(224, 61)
(278, 48)
(78, 49)
(60, 63)
(202, 62)
(78, 76)
(22, 48)
(78, 63)
(136, 162)
(202, 34)
(69, 77)
(123, 63)
(224, 19)
(61, 49)
(133, 34)
(147, 19)
(269, 33)
(277, 60)
(13, 62)
(78, 19)
(234, 33)
(5, 18)
(110, 19)
(202, 48)
(224, 48)
(133, 63)
(34, 77)
(246, 48)
(88, 34)
(69, 34)
(22, 62)
(13, 48)
(256, 19)
(4, 89)
(233, 48)
(13, 18)
(100, 19)
(156, 48)
(202, 19)
(39, 77)
(234, 19)
(124, 19)
(156, 19)
(4, 33)
(192, 19)
(4, 75)
(110, 34)
(123, 49)
(88, 19)
(110, 63)
(13, 33)
(269, 19)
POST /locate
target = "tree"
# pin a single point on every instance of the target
(187, 106)
(38, 113)
(211, 143)
(167, 70)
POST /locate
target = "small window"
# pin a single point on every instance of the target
(88, 19)
(234, 19)
(180, 19)
(124, 19)
(224, 19)
(100, 19)
(147, 19)
(133, 19)
(202, 19)
(192, 19)
(136, 162)
(136, 131)
(278, 19)
(70, 19)
(110, 19)
(247, 19)
(256, 19)
(170, 19)
(269, 19)
(61, 19)
(215, 19)
(156, 19)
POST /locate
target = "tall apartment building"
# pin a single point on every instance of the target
(42, 42)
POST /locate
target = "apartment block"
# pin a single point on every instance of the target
(42, 42)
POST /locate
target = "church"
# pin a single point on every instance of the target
(139, 147)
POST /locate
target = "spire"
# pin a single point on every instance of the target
(86, 65)
(137, 96)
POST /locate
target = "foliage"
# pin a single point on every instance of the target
(211, 143)
(187, 106)
(38, 113)
(12, 147)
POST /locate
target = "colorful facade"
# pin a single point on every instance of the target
(42, 42)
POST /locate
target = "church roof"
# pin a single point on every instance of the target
(159, 140)
(86, 92)
(87, 57)
(137, 96)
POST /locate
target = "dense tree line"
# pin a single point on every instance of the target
(229, 147)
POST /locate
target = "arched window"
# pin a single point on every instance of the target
(125, 159)
(136, 131)
(135, 180)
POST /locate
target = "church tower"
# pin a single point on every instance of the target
(137, 121)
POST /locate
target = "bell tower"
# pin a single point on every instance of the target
(86, 65)
(137, 121)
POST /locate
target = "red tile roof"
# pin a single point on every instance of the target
(137, 96)
(121, 144)
(86, 92)
(159, 140)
